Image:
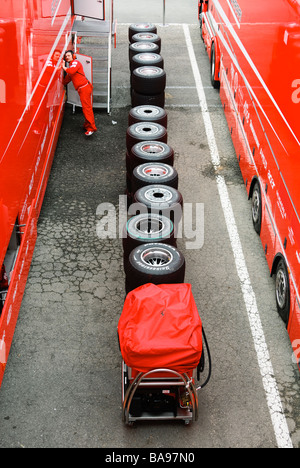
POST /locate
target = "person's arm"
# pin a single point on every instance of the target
(73, 68)
(66, 80)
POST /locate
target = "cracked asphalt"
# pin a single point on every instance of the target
(62, 386)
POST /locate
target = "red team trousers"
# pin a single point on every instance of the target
(85, 93)
(85, 90)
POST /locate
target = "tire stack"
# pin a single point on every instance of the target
(148, 78)
(149, 238)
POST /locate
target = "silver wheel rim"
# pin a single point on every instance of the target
(154, 148)
(149, 226)
(255, 206)
(158, 195)
(148, 111)
(147, 129)
(147, 57)
(149, 71)
(281, 288)
(144, 46)
(157, 257)
(154, 171)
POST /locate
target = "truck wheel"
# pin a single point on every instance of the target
(156, 264)
(256, 208)
(282, 289)
(145, 131)
(149, 80)
(154, 173)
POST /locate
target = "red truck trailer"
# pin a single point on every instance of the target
(34, 35)
(254, 52)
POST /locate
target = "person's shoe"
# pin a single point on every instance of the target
(89, 133)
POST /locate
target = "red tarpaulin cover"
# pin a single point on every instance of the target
(160, 327)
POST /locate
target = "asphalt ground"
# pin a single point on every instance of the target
(62, 386)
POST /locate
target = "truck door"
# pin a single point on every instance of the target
(91, 9)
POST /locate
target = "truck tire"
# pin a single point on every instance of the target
(256, 208)
(147, 228)
(149, 80)
(146, 113)
(145, 131)
(282, 291)
(156, 264)
(139, 28)
(154, 173)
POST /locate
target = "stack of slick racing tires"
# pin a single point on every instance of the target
(148, 78)
(150, 253)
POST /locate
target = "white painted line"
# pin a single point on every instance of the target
(264, 361)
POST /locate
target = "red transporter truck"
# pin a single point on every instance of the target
(34, 35)
(32, 97)
(254, 50)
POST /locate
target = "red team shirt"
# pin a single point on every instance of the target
(75, 74)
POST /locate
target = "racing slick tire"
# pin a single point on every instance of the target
(162, 200)
(156, 264)
(142, 47)
(146, 113)
(136, 28)
(149, 80)
(146, 59)
(147, 37)
(151, 151)
(145, 131)
(147, 228)
(154, 174)
(138, 99)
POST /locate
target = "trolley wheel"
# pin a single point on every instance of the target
(149, 80)
(156, 264)
(282, 291)
(256, 208)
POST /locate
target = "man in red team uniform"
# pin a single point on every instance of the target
(75, 73)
